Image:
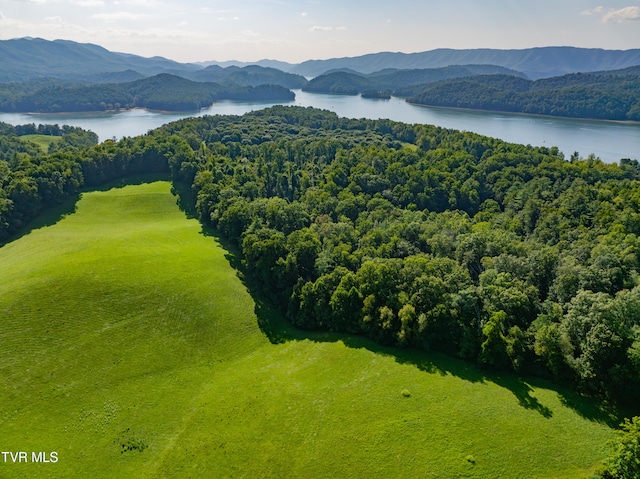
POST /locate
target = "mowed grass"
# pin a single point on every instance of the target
(43, 141)
(129, 346)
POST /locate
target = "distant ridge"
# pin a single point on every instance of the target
(536, 63)
(29, 58)
(25, 59)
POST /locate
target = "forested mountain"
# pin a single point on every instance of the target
(416, 236)
(604, 95)
(161, 92)
(340, 83)
(353, 83)
(112, 77)
(251, 75)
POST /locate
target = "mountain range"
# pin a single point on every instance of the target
(29, 58)
(535, 63)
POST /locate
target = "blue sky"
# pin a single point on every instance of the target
(249, 30)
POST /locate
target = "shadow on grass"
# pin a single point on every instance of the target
(132, 180)
(186, 199)
(49, 217)
(278, 330)
(53, 214)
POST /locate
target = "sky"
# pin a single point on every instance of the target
(294, 31)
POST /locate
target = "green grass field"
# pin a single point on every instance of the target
(130, 347)
(43, 141)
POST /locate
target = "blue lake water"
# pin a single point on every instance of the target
(609, 141)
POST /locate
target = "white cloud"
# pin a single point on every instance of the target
(2, 17)
(319, 28)
(622, 15)
(56, 19)
(612, 15)
(116, 16)
(89, 3)
(137, 3)
(594, 11)
(250, 33)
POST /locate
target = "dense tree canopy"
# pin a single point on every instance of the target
(613, 96)
(161, 92)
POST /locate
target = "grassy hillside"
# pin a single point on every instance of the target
(43, 141)
(130, 347)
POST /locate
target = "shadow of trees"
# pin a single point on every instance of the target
(52, 214)
(49, 217)
(272, 323)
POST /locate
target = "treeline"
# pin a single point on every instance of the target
(613, 96)
(31, 181)
(416, 236)
(72, 137)
(161, 92)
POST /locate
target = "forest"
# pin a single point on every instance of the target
(160, 92)
(509, 256)
(603, 95)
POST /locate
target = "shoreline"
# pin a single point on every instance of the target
(455, 108)
(521, 113)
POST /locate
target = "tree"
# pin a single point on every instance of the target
(624, 463)
(494, 347)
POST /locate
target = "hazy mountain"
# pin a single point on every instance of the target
(534, 62)
(252, 75)
(113, 77)
(28, 58)
(283, 66)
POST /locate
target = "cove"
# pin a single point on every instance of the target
(610, 141)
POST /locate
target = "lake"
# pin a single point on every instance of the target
(609, 141)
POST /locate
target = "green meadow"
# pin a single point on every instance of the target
(43, 141)
(132, 348)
